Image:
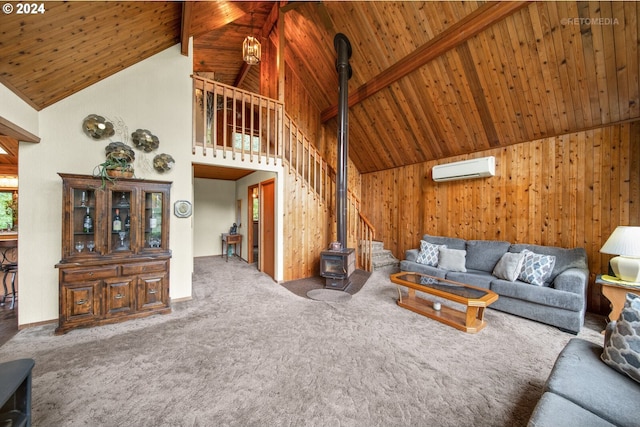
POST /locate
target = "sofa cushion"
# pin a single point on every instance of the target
(553, 410)
(538, 294)
(565, 258)
(449, 242)
(484, 254)
(622, 340)
(452, 259)
(429, 253)
(411, 254)
(536, 268)
(509, 266)
(478, 278)
(581, 377)
(422, 268)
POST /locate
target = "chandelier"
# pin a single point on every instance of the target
(251, 49)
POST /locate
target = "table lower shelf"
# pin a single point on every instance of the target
(470, 321)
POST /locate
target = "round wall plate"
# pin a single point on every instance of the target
(182, 209)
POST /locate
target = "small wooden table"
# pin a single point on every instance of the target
(231, 239)
(475, 299)
(616, 292)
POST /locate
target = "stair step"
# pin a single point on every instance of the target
(375, 246)
(385, 253)
(384, 263)
(380, 257)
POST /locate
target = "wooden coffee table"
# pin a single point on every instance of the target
(475, 299)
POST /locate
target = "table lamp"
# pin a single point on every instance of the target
(624, 242)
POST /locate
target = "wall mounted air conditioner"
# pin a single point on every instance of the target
(466, 169)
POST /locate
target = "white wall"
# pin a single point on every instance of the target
(264, 170)
(214, 211)
(17, 111)
(154, 94)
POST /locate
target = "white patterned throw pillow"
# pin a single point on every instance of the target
(429, 253)
(622, 340)
(536, 268)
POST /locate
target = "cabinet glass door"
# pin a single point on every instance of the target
(83, 221)
(120, 236)
(153, 211)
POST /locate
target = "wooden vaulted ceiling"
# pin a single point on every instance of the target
(430, 79)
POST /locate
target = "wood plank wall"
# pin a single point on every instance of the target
(309, 221)
(568, 191)
(307, 229)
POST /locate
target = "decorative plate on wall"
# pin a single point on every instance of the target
(97, 127)
(145, 140)
(182, 209)
(163, 162)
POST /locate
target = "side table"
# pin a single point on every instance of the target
(615, 291)
(231, 239)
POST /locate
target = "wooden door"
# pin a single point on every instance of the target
(267, 228)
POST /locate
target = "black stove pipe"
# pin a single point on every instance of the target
(343, 49)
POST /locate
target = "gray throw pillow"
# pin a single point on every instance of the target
(622, 340)
(509, 266)
(452, 259)
(429, 253)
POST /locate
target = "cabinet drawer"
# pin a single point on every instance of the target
(81, 302)
(153, 292)
(78, 274)
(119, 296)
(147, 267)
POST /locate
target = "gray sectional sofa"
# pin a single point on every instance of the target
(560, 301)
(583, 391)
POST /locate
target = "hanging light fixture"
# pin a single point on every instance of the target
(251, 49)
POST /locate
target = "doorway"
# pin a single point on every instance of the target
(253, 219)
(10, 134)
(261, 234)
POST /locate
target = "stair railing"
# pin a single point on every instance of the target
(232, 121)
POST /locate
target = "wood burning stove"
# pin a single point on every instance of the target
(336, 266)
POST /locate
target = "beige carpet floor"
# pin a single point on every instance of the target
(247, 352)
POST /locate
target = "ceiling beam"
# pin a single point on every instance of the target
(185, 29)
(14, 131)
(472, 24)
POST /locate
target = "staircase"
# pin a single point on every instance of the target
(233, 122)
(381, 257)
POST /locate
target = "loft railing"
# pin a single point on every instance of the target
(231, 121)
(228, 120)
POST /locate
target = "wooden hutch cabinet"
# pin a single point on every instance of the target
(115, 250)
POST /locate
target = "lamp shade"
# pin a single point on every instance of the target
(624, 240)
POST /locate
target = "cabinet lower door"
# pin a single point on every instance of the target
(120, 296)
(81, 302)
(152, 292)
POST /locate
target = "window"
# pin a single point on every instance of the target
(256, 208)
(8, 210)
